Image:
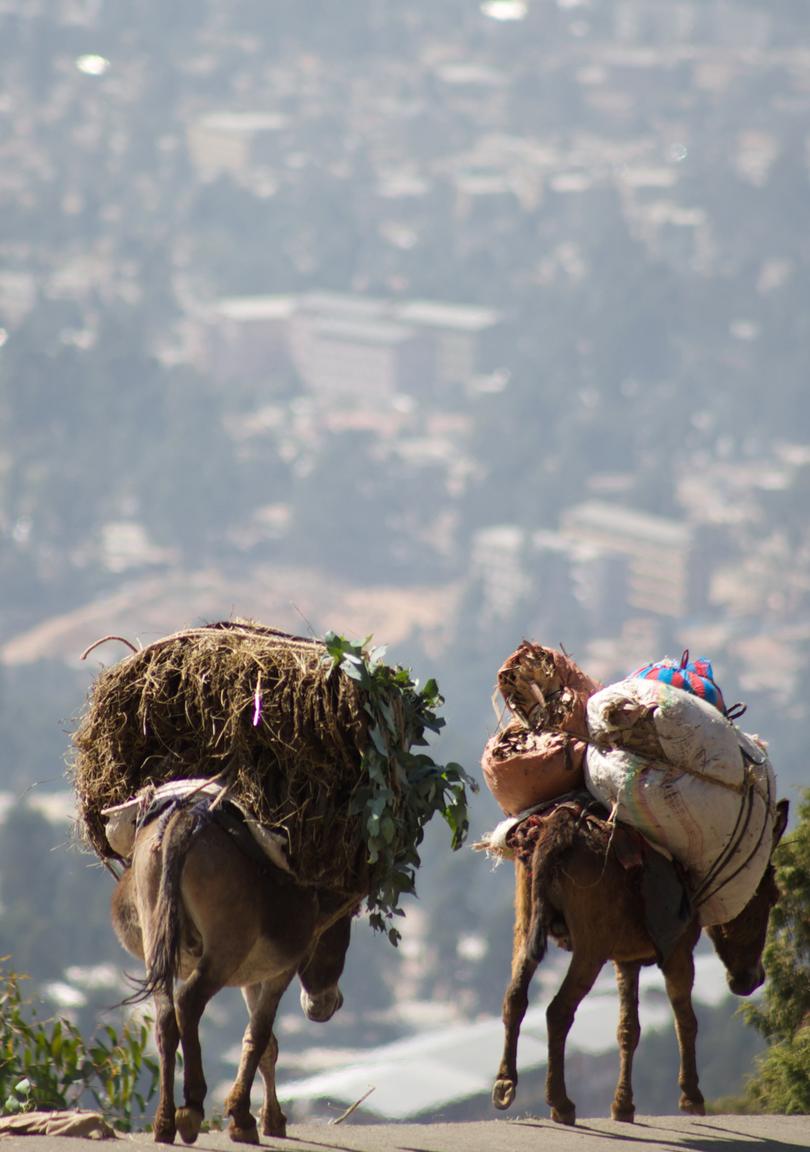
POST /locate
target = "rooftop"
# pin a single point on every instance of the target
(255, 307)
(243, 122)
(467, 317)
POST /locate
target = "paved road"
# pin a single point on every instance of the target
(648, 1134)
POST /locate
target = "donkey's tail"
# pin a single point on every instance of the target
(537, 934)
(176, 837)
(554, 841)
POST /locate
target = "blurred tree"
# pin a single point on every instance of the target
(343, 508)
(39, 702)
(42, 889)
(781, 1082)
(186, 478)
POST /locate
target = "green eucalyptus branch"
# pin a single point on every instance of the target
(401, 790)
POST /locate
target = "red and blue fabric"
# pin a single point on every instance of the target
(695, 676)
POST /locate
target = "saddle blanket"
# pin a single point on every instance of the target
(124, 820)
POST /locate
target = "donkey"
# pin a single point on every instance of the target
(201, 910)
(577, 890)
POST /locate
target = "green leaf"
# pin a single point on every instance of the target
(401, 790)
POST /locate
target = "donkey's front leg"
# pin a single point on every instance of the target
(167, 1037)
(579, 979)
(259, 1050)
(628, 1036)
(679, 976)
(273, 1120)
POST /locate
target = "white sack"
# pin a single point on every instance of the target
(708, 805)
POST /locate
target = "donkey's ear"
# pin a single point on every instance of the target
(780, 823)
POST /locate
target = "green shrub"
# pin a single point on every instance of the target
(782, 1080)
(48, 1065)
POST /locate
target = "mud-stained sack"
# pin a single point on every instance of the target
(691, 782)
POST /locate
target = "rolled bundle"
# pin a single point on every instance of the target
(540, 753)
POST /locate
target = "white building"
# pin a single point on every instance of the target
(663, 569)
(349, 348)
(224, 142)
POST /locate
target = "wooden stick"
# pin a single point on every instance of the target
(352, 1107)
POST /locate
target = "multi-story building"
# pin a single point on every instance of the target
(665, 574)
(348, 348)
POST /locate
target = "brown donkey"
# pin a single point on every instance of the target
(201, 910)
(578, 891)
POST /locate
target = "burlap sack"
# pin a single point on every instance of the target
(552, 765)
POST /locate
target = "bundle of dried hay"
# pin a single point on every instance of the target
(312, 738)
(268, 710)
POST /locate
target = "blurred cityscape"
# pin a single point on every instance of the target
(456, 323)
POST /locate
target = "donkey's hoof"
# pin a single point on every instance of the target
(567, 1116)
(503, 1093)
(692, 1107)
(247, 1135)
(625, 1115)
(189, 1122)
(164, 1129)
(277, 1130)
(274, 1123)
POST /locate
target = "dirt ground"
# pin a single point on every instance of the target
(648, 1134)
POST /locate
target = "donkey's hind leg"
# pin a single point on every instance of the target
(515, 1003)
(259, 1050)
(628, 1036)
(190, 1001)
(516, 1000)
(167, 1037)
(578, 981)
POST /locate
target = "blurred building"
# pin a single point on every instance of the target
(244, 335)
(226, 143)
(665, 573)
(348, 348)
(498, 568)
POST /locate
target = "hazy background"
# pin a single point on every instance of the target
(454, 323)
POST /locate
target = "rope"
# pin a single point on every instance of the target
(727, 851)
(768, 805)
